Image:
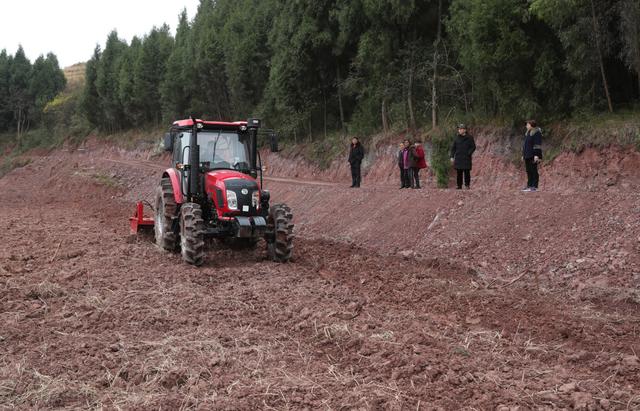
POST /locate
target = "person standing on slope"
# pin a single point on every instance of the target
(420, 163)
(461, 153)
(532, 155)
(408, 162)
(401, 164)
(356, 154)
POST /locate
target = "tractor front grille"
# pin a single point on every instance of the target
(237, 185)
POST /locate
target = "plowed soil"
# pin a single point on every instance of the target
(395, 300)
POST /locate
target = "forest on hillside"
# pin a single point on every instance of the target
(26, 89)
(312, 68)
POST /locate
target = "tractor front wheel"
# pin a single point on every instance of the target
(279, 234)
(192, 234)
(165, 214)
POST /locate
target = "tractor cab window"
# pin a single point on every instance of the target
(222, 150)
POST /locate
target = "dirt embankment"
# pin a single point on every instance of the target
(495, 166)
(433, 299)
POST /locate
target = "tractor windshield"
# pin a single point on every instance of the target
(223, 149)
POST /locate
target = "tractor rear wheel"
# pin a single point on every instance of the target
(280, 233)
(192, 233)
(165, 214)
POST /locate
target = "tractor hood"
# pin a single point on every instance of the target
(217, 178)
(233, 192)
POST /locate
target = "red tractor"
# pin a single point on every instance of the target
(212, 191)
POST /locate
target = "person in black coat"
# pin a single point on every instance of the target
(532, 155)
(461, 153)
(401, 164)
(356, 154)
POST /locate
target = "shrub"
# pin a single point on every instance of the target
(441, 143)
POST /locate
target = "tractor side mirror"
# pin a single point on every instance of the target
(273, 142)
(168, 142)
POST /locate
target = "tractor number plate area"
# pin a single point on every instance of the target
(250, 226)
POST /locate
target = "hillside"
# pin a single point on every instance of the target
(75, 75)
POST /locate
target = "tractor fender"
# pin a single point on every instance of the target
(175, 183)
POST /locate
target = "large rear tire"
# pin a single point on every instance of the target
(165, 215)
(279, 234)
(192, 234)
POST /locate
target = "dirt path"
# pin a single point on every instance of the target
(93, 317)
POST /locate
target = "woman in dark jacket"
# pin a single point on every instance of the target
(420, 163)
(401, 164)
(356, 154)
(461, 153)
(532, 155)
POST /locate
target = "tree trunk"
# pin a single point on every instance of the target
(412, 117)
(601, 60)
(434, 92)
(324, 114)
(434, 87)
(385, 120)
(339, 87)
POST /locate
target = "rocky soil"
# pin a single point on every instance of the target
(430, 299)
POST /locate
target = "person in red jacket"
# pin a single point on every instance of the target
(420, 163)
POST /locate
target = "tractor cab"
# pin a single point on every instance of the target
(224, 148)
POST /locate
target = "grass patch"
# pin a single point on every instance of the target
(150, 138)
(322, 152)
(12, 162)
(106, 180)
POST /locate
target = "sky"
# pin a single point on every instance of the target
(72, 28)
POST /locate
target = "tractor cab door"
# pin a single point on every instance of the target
(180, 156)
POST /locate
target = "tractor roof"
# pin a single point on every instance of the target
(209, 124)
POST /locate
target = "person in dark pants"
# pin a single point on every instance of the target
(356, 154)
(461, 153)
(420, 163)
(532, 155)
(408, 162)
(401, 164)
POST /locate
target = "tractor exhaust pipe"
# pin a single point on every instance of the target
(193, 188)
(253, 124)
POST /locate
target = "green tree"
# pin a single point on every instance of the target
(6, 113)
(20, 97)
(246, 51)
(206, 75)
(90, 103)
(513, 65)
(149, 71)
(47, 80)
(108, 75)
(630, 30)
(176, 85)
(582, 27)
(127, 96)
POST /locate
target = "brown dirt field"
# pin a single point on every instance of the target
(431, 299)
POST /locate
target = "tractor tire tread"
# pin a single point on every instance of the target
(165, 215)
(280, 246)
(192, 234)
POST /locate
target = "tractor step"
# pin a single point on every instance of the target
(139, 220)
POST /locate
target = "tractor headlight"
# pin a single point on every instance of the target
(232, 199)
(255, 199)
